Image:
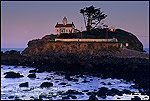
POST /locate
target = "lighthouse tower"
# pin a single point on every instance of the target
(65, 21)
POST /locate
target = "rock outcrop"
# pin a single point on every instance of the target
(100, 59)
(12, 75)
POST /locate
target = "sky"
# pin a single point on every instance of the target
(22, 21)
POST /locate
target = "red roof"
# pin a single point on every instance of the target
(67, 25)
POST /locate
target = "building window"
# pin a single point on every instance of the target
(66, 30)
(57, 30)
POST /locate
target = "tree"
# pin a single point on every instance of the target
(92, 16)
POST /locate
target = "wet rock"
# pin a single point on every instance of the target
(72, 92)
(103, 83)
(68, 85)
(80, 75)
(32, 75)
(95, 90)
(91, 93)
(42, 96)
(26, 84)
(145, 92)
(109, 83)
(23, 96)
(47, 78)
(31, 97)
(126, 91)
(62, 83)
(75, 80)
(10, 97)
(136, 98)
(24, 67)
(12, 75)
(114, 92)
(16, 97)
(85, 90)
(56, 81)
(102, 92)
(73, 97)
(46, 84)
(32, 71)
(68, 78)
(66, 97)
(91, 79)
(93, 97)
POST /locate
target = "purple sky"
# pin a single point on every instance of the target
(22, 21)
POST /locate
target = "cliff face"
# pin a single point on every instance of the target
(42, 47)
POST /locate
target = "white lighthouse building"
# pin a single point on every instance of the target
(65, 28)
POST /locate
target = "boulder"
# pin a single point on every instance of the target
(12, 75)
(93, 97)
(65, 97)
(26, 84)
(32, 71)
(73, 97)
(10, 97)
(47, 78)
(24, 67)
(136, 98)
(114, 92)
(126, 91)
(32, 75)
(85, 90)
(109, 83)
(62, 83)
(46, 84)
(102, 92)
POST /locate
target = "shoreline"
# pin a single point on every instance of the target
(105, 65)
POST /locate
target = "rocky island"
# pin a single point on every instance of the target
(101, 59)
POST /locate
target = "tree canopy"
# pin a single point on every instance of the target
(92, 16)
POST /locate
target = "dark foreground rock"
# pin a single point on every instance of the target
(26, 84)
(46, 84)
(12, 75)
(32, 75)
(93, 97)
(136, 98)
(105, 66)
(72, 92)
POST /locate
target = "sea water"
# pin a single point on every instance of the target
(10, 86)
